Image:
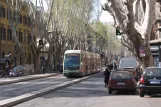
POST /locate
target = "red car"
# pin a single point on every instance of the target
(122, 80)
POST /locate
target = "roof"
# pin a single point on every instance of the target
(72, 51)
(155, 42)
(152, 67)
(122, 71)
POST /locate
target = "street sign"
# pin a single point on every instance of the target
(141, 51)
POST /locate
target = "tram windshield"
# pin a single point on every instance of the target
(72, 60)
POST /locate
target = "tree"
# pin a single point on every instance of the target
(106, 41)
(39, 27)
(134, 18)
(68, 26)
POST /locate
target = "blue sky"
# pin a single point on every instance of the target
(105, 16)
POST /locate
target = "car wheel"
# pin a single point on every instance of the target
(149, 94)
(141, 93)
(109, 91)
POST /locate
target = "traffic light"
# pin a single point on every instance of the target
(118, 32)
(102, 55)
(40, 42)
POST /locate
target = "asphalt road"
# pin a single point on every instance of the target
(20, 88)
(91, 93)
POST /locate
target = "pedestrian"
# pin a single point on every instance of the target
(58, 67)
(61, 68)
(106, 76)
(7, 68)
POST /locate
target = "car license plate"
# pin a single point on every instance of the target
(120, 83)
(155, 82)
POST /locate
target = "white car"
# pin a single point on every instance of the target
(18, 71)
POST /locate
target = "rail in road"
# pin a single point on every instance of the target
(24, 91)
(12, 90)
(15, 93)
(91, 93)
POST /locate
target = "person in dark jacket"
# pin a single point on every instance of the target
(61, 68)
(106, 76)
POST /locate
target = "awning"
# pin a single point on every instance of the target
(155, 42)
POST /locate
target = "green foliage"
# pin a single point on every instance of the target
(108, 40)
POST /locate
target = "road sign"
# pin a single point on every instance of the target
(141, 51)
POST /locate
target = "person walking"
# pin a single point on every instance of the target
(7, 68)
(106, 76)
(61, 68)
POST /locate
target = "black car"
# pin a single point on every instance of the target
(150, 82)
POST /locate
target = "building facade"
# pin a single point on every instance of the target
(23, 32)
(155, 43)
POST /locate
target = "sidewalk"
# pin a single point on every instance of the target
(11, 80)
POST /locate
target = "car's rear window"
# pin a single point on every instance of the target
(153, 72)
(128, 62)
(121, 76)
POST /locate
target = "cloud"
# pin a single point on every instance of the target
(38, 3)
(105, 16)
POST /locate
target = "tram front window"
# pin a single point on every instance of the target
(72, 62)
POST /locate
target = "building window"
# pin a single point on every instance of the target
(24, 20)
(9, 14)
(20, 18)
(20, 37)
(9, 35)
(29, 38)
(24, 38)
(3, 33)
(29, 21)
(2, 12)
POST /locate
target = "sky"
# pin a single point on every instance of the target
(105, 16)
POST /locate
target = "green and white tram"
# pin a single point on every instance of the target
(80, 63)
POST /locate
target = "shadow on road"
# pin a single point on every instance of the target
(153, 96)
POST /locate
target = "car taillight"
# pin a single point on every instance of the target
(111, 81)
(142, 81)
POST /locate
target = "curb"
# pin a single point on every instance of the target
(26, 79)
(26, 97)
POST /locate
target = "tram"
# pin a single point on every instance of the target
(78, 63)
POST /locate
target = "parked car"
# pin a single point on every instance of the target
(122, 80)
(150, 82)
(18, 71)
